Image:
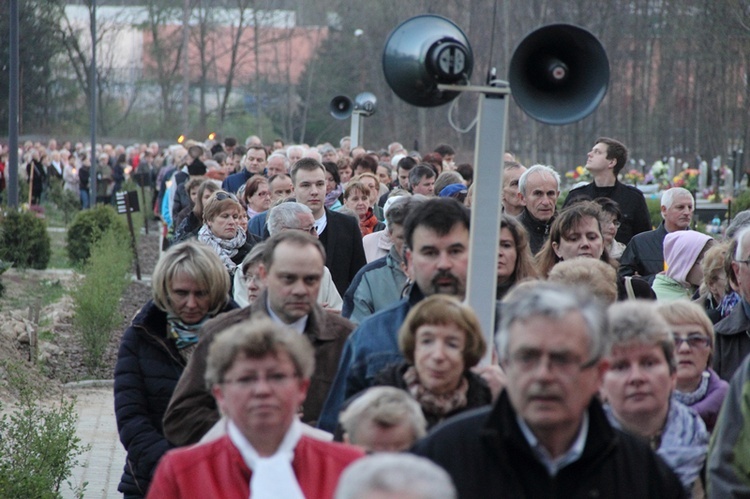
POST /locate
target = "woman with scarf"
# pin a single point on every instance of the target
(442, 341)
(683, 254)
(357, 199)
(190, 286)
(193, 221)
(334, 190)
(697, 386)
(221, 230)
(638, 389)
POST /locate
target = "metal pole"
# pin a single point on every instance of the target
(486, 210)
(92, 119)
(185, 67)
(355, 132)
(12, 168)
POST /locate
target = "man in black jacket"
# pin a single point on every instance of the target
(605, 161)
(339, 234)
(644, 254)
(547, 435)
(538, 189)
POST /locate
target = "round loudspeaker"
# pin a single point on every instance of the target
(559, 74)
(421, 53)
(341, 107)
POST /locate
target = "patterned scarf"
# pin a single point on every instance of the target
(184, 335)
(367, 225)
(690, 398)
(431, 402)
(225, 248)
(332, 196)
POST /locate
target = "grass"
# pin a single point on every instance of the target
(59, 258)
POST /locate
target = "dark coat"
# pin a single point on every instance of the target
(345, 254)
(538, 231)
(487, 455)
(644, 255)
(732, 342)
(193, 411)
(147, 370)
(478, 394)
(635, 217)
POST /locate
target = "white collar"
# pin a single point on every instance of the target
(573, 454)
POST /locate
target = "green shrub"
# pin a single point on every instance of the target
(67, 203)
(741, 202)
(654, 211)
(24, 240)
(87, 228)
(97, 298)
(38, 442)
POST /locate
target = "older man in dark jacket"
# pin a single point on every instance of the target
(292, 268)
(547, 435)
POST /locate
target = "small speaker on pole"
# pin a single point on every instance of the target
(341, 107)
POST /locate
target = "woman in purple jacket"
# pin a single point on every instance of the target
(697, 386)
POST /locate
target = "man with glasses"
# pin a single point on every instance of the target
(253, 163)
(297, 216)
(605, 161)
(547, 434)
(260, 374)
(732, 340)
(291, 269)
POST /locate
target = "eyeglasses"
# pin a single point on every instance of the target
(693, 340)
(222, 195)
(274, 380)
(310, 230)
(616, 223)
(561, 363)
(743, 261)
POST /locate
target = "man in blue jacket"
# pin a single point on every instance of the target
(437, 256)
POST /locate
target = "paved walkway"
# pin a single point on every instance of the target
(102, 465)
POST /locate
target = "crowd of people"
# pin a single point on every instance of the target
(308, 309)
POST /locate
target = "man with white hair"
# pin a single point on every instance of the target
(538, 189)
(644, 254)
(295, 153)
(547, 434)
(277, 164)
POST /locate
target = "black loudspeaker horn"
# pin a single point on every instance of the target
(559, 74)
(421, 53)
(366, 103)
(341, 107)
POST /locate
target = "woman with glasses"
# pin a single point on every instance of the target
(442, 341)
(221, 230)
(256, 196)
(190, 286)
(697, 386)
(638, 389)
(611, 219)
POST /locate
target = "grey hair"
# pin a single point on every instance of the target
(395, 473)
(740, 221)
(295, 148)
(536, 169)
(667, 199)
(385, 406)
(553, 301)
(639, 322)
(278, 154)
(285, 215)
(741, 247)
